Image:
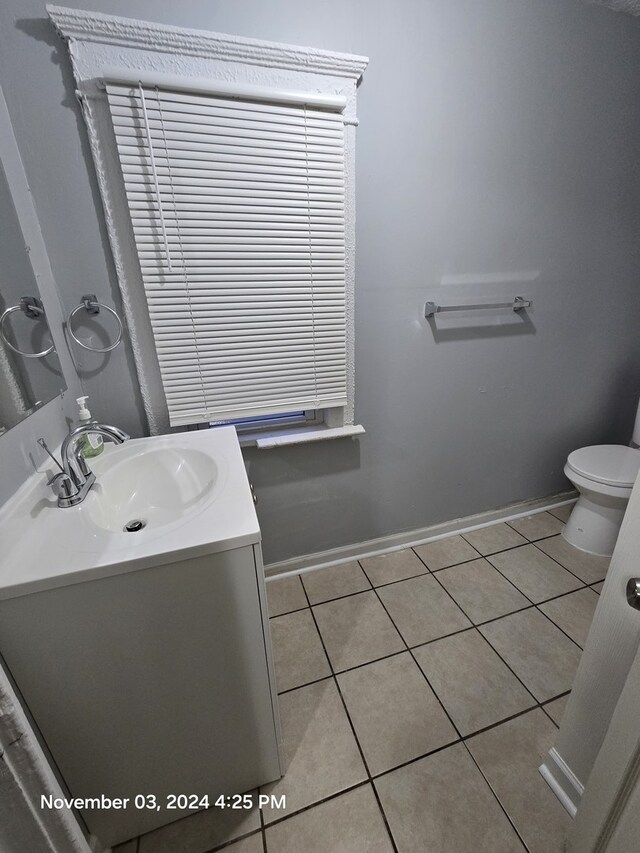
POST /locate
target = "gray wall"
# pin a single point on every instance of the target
(497, 144)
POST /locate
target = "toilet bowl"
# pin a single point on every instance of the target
(604, 475)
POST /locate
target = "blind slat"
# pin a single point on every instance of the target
(237, 211)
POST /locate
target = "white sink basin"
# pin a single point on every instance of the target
(146, 487)
(189, 490)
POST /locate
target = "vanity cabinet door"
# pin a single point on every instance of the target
(150, 682)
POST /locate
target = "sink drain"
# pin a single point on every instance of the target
(135, 525)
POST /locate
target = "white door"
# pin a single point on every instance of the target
(607, 817)
(608, 657)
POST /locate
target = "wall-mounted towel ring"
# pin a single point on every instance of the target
(91, 305)
(33, 308)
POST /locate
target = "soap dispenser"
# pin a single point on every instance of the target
(92, 443)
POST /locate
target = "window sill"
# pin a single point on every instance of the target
(304, 435)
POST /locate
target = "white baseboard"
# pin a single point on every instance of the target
(397, 541)
(562, 781)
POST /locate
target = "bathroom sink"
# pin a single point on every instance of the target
(155, 500)
(137, 487)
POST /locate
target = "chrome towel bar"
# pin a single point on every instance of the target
(517, 304)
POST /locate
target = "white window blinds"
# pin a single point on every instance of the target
(237, 210)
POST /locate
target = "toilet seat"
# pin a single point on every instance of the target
(611, 464)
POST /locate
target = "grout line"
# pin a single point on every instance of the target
(287, 612)
(535, 604)
(434, 572)
(549, 701)
(473, 548)
(538, 538)
(490, 786)
(550, 717)
(384, 816)
(469, 627)
(564, 567)
(346, 595)
(517, 588)
(305, 684)
(363, 784)
(353, 729)
(562, 595)
(455, 727)
(225, 844)
(262, 825)
(496, 619)
(536, 703)
(575, 643)
(559, 696)
(461, 739)
(473, 626)
(540, 602)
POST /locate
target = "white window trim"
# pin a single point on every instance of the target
(99, 44)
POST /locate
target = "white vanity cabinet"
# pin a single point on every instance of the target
(144, 659)
(150, 682)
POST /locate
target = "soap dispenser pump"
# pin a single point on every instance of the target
(93, 443)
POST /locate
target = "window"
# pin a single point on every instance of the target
(237, 210)
(235, 132)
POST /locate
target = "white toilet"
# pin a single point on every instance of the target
(604, 476)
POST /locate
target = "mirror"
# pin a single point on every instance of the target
(30, 380)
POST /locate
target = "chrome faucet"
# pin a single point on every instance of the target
(74, 481)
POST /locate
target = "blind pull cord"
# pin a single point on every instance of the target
(155, 176)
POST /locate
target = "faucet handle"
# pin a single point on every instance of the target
(62, 485)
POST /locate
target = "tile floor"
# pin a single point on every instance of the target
(419, 692)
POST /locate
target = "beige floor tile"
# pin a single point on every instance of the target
(285, 595)
(394, 566)
(446, 552)
(588, 567)
(422, 610)
(394, 712)
(334, 582)
(509, 756)
(563, 512)
(253, 844)
(201, 831)
(536, 575)
(573, 613)
(472, 682)
(488, 540)
(481, 591)
(555, 709)
(297, 650)
(321, 756)
(356, 630)
(537, 526)
(350, 823)
(538, 652)
(441, 804)
(597, 587)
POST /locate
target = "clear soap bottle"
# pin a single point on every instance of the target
(92, 443)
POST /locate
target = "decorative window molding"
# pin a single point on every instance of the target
(77, 25)
(99, 42)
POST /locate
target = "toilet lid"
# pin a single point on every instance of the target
(612, 464)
